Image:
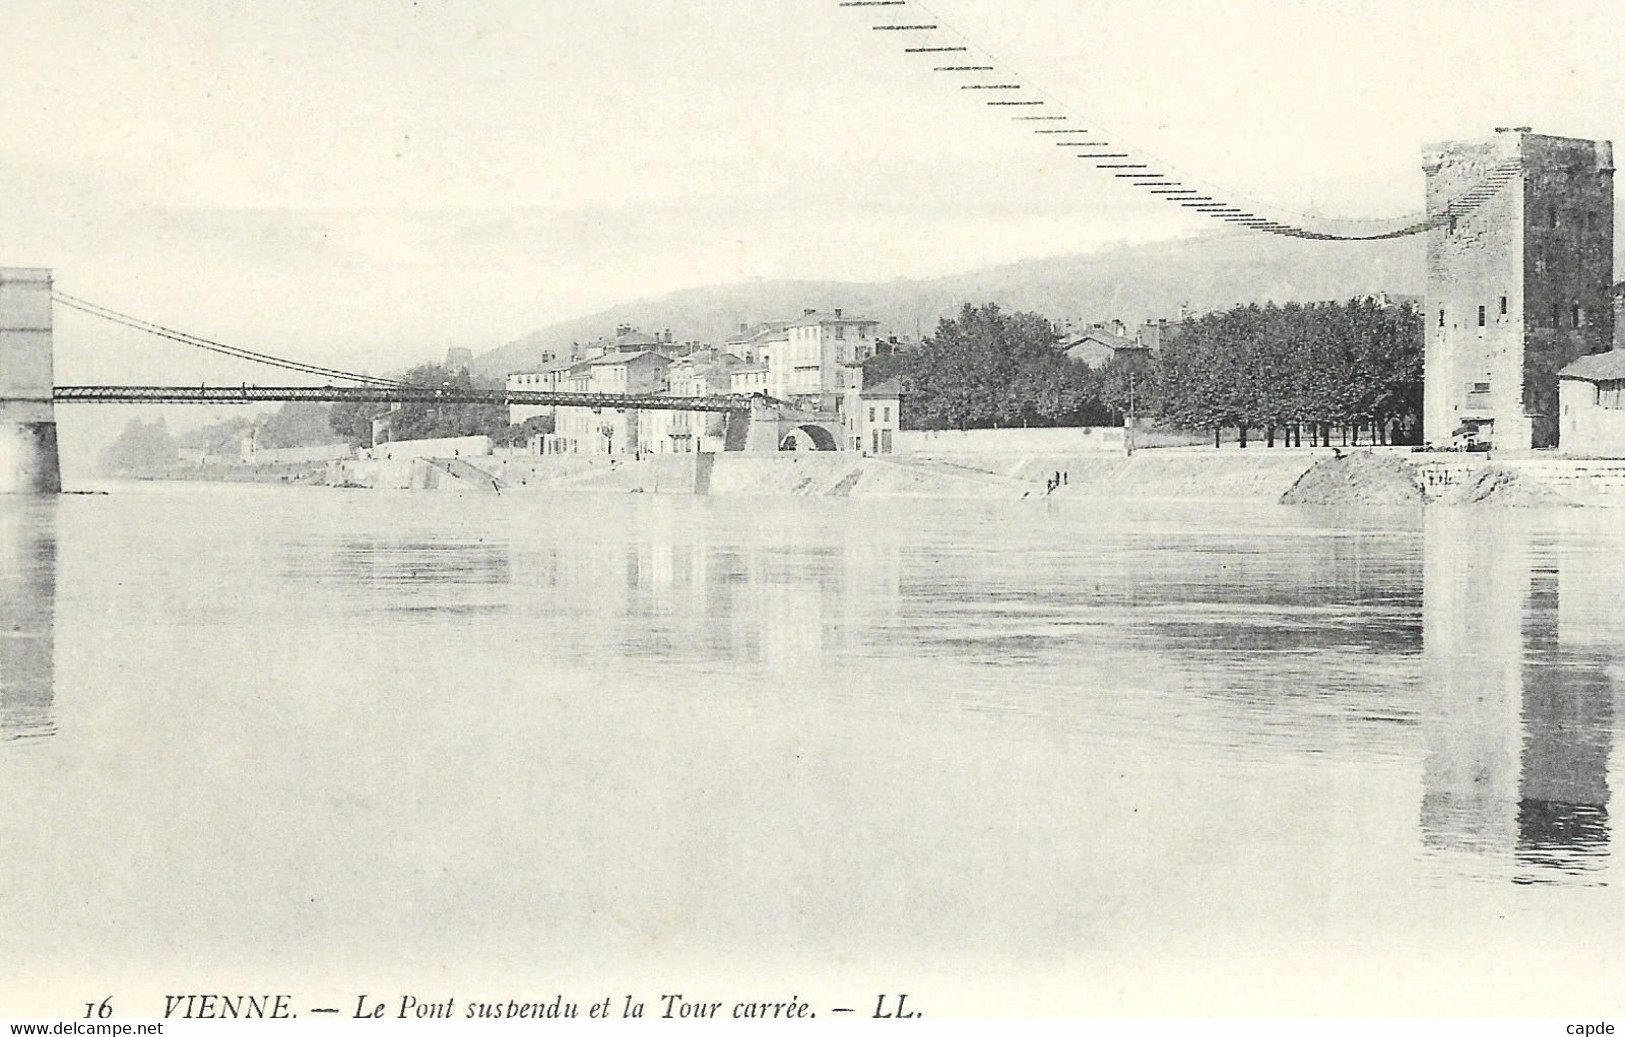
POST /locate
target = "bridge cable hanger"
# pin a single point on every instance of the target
(371, 389)
(174, 335)
(997, 86)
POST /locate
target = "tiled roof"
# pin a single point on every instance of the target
(1105, 338)
(756, 331)
(827, 318)
(627, 358)
(1598, 367)
(547, 368)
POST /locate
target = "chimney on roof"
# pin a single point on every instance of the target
(808, 312)
(837, 313)
(743, 327)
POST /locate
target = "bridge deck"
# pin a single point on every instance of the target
(389, 394)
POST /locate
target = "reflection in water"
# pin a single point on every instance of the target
(27, 617)
(417, 575)
(1519, 710)
(661, 588)
(666, 596)
(753, 727)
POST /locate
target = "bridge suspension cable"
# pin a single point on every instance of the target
(1000, 88)
(252, 356)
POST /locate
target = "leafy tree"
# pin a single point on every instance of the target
(353, 421)
(985, 368)
(219, 437)
(432, 420)
(140, 447)
(295, 424)
(1322, 366)
(1129, 384)
(518, 435)
(884, 366)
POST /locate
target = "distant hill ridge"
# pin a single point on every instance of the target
(1130, 282)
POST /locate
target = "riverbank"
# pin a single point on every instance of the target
(1314, 476)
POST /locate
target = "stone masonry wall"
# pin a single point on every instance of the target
(1519, 286)
(1568, 266)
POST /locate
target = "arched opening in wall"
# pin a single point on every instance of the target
(808, 437)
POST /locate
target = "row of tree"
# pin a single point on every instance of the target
(1295, 368)
(1331, 365)
(353, 421)
(989, 369)
(149, 446)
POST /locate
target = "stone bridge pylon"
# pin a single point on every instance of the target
(28, 452)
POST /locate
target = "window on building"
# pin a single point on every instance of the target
(1482, 320)
(1576, 316)
(1441, 318)
(1611, 395)
(1556, 320)
(1551, 216)
(1503, 306)
(885, 413)
(840, 331)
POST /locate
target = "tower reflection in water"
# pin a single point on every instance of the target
(1519, 710)
(27, 617)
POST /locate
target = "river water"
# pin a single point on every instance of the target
(1126, 757)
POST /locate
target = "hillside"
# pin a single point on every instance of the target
(1130, 282)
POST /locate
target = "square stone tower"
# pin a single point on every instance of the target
(1520, 270)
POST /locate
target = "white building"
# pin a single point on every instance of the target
(703, 372)
(549, 377)
(807, 366)
(751, 341)
(870, 417)
(748, 379)
(606, 430)
(1591, 403)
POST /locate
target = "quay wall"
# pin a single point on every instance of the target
(992, 441)
(1198, 474)
(298, 454)
(454, 446)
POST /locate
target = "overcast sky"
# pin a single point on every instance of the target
(365, 184)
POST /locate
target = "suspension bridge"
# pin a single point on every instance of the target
(28, 393)
(365, 388)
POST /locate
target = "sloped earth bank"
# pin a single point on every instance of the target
(1361, 478)
(1389, 480)
(1503, 487)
